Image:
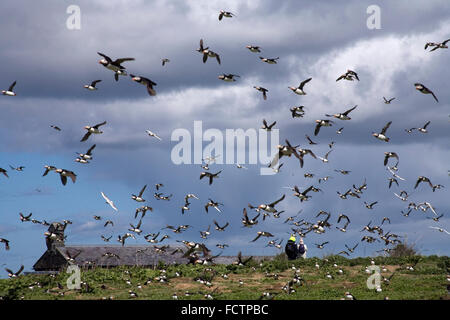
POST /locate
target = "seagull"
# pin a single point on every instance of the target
(146, 82)
(386, 101)
(139, 198)
(92, 85)
(213, 204)
(440, 230)
(152, 134)
(190, 195)
(55, 127)
(10, 91)
(339, 131)
(420, 87)
(91, 130)
(325, 158)
(4, 172)
(108, 201)
(402, 196)
(299, 90)
(382, 135)
(394, 174)
(164, 61)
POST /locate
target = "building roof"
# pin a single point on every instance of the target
(85, 255)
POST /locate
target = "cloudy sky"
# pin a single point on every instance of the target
(52, 62)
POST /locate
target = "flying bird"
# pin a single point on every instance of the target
(63, 173)
(263, 90)
(207, 53)
(226, 14)
(92, 85)
(146, 82)
(139, 198)
(10, 91)
(211, 176)
(269, 60)
(440, 45)
(420, 87)
(342, 116)
(6, 242)
(12, 274)
(108, 201)
(94, 129)
(382, 135)
(115, 65)
(386, 101)
(152, 134)
(299, 90)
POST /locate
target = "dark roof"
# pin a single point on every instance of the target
(58, 257)
(94, 256)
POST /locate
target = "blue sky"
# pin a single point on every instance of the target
(315, 39)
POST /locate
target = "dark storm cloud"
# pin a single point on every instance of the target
(313, 39)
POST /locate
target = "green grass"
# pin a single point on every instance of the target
(427, 281)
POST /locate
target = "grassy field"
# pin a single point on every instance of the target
(428, 280)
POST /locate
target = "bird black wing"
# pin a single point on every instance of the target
(105, 56)
(11, 87)
(303, 83)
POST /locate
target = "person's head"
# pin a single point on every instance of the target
(301, 241)
(292, 238)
